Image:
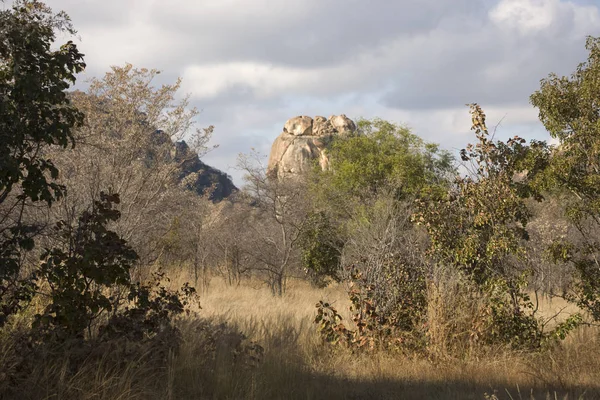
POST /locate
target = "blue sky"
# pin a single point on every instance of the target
(250, 65)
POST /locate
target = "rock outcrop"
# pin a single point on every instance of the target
(192, 172)
(200, 177)
(303, 140)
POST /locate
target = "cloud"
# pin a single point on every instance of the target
(529, 17)
(305, 34)
(252, 64)
(267, 80)
(499, 61)
(526, 16)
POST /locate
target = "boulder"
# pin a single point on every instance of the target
(304, 140)
(342, 124)
(322, 127)
(299, 126)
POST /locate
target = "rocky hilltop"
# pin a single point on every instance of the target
(303, 140)
(202, 178)
(193, 173)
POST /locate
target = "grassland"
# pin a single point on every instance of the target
(216, 362)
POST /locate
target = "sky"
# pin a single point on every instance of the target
(250, 65)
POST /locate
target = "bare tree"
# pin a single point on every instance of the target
(228, 237)
(126, 146)
(279, 213)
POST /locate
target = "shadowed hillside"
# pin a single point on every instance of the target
(202, 178)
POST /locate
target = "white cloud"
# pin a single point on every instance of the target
(205, 81)
(232, 11)
(586, 20)
(137, 43)
(252, 64)
(526, 15)
(535, 16)
(456, 122)
(269, 80)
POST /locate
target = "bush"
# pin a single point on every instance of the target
(321, 246)
(387, 274)
(93, 308)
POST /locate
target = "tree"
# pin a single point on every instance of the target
(321, 249)
(369, 192)
(80, 270)
(278, 217)
(89, 284)
(192, 237)
(380, 154)
(127, 145)
(87, 295)
(381, 159)
(480, 226)
(35, 114)
(569, 108)
(230, 235)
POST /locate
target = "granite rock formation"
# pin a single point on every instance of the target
(303, 140)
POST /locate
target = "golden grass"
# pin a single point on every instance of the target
(296, 365)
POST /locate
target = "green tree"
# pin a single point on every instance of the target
(375, 174)
(81, 269)
(321, 249)
(382, 153)
(381, 159)
(90, 288)
(569, 108)
(35, 113)
(480, 226)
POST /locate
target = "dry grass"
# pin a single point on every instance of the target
(296, 365)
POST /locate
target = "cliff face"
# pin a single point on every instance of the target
(303, 140)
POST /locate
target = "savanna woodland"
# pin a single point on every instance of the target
(400, 271)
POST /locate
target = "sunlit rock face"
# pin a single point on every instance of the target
(303, 140)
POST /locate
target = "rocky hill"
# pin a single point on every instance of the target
(303, 140)
(195, 174)
(202, 178)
